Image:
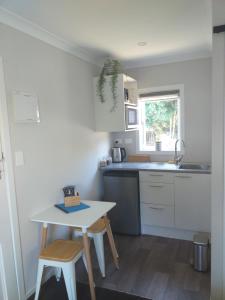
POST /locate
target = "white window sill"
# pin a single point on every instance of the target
(159, 152)
(156, 152)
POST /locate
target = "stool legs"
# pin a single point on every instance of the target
(99, 247)
(70, 280)
(84, 261)
(39, 277)
(58, 273)
(69, 274)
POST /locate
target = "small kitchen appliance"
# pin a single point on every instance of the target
(131, 117)
(118, 154)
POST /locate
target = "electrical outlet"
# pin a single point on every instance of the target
(118, 141)
(128, 141)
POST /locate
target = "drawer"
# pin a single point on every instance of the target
(165, 177)
(157, 215)
(157, 193)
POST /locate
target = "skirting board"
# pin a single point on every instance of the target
(168, 232)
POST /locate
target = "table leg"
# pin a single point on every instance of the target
(71, 230)
(111, 242)
(89, 264)
(44, 235)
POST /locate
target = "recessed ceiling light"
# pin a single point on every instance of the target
(142, 44)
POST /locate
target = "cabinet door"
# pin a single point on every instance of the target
(157, 193)
(192, 202)
(151, 176)
(106, 119)
(157, 215)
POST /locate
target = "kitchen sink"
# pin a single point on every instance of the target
(187, 166)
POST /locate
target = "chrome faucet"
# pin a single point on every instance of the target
(178, 158)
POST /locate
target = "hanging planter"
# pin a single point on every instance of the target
(111, 67)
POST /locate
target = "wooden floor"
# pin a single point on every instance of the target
(151, 267)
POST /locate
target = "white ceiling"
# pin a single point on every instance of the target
(173, 29)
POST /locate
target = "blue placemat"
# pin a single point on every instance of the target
(71, 208)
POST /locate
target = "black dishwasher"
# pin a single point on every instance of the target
(122, 187)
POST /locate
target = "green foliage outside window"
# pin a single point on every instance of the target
(161, 117)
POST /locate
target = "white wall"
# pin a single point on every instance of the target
(195, 75)
(63, 149)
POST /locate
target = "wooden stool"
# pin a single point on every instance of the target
(97, 231)
(61, 254)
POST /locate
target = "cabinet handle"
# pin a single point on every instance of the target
(157, 208)
(156, 175)
(157, 186)
(183, 176)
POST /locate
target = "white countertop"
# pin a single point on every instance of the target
(151, 166)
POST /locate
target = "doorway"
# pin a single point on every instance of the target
(11, 271)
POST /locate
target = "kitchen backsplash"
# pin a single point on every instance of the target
(129, 140)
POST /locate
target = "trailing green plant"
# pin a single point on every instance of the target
(111, 67)
(100, 85)
(116, 69)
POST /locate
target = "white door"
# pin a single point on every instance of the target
(8, 280)
(11, 268)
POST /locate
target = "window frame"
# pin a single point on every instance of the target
(179, 87)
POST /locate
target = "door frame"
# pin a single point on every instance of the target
(10, 185)
(3, 276)
(218, 169)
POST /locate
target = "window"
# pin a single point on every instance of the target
(160, 120)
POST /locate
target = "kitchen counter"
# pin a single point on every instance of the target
(151, 166)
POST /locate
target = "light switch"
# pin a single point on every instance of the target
(19, 160)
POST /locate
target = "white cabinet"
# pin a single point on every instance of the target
(157, 193)
(149, 176)
(175, 200)
(157, 198)
(106, 118)
(157, 215)
(192, 201)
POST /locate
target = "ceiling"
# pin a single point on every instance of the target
(173, 29)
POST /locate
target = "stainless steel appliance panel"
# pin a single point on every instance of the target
(123, 188)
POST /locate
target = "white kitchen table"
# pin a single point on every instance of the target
(82, 219)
